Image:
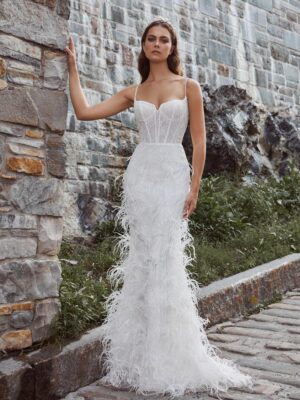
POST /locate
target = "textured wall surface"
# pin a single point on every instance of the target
(252, 44)
(33, 110)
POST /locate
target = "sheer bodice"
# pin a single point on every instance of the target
(167, 124)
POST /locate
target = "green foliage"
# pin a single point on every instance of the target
(226, 207)
(84, 286)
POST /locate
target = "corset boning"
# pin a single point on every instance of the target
(167, 124)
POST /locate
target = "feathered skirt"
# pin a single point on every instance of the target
(154, 341)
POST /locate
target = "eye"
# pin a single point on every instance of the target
(152, 38)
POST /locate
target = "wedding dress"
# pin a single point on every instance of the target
(153, 338)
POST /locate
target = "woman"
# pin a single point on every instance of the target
(153, 338)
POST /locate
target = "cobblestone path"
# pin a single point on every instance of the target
(266, 345)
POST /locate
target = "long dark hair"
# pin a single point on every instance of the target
(173, 60)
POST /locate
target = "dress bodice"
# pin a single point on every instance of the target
(166, 124)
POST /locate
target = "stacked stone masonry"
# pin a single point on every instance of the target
(33, 110)
(251, 44)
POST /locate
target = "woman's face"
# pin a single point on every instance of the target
(158, 44)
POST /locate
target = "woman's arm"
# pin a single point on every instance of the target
(83, 111)
(198, 134)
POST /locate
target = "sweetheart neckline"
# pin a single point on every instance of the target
(165, 102)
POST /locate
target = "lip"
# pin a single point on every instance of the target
(156, 51)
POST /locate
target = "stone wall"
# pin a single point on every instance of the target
(252, 44)
(33, 110)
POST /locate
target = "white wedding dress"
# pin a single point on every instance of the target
(154, 340)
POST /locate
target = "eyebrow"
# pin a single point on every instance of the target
(163, 36)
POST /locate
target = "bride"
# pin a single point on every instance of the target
(154, 340)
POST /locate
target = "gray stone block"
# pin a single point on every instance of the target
(16, 380)
(21, 319)
(38, 196)
(17, 221)
(12, 247)
(23, 19)
(221, 53)
(208, 7)
(29, 280)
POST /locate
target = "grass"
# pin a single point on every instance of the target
(236, 226)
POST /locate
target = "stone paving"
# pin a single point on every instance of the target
(266, 345)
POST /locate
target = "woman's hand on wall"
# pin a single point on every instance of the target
(71, 54)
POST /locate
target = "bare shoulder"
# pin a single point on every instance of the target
(193, 88)
(192, 83)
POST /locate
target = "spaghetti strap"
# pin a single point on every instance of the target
(185, 86)
(135, 92)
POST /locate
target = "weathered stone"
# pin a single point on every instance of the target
(16, 380)
(282, 273)
(48, 3)
(269, 365)
(270, 318)
(17, 247)
(8, 309)
(38, 196)
(17, 149)
(50, 235)
(18, 99)
(3, 67)
(21, 319)
(5, 310)
(282, 345)
(10, 177)
(279, 52)
(235, 348)
(2, 147)
(282, 313)
(24, 18)
(55, 374)
(18, 48)
(11, 129)
(4, 326)
(220, 53)
(282, 306)
(285, 357)
(294, 395)
(36, 107)
(34, 133)
(29, 142)
(295, 301)
(45, 313)
(219, 337)
(21, 77)
(26, 305)
(25, 164)
(15, 221)
(15, 340)
(256, 333)
(265, 388)
(3, 84)
(273, 327)
(54, 70)
(56, 156)
(29, 280)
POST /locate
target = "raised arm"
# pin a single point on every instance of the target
(83, 111)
